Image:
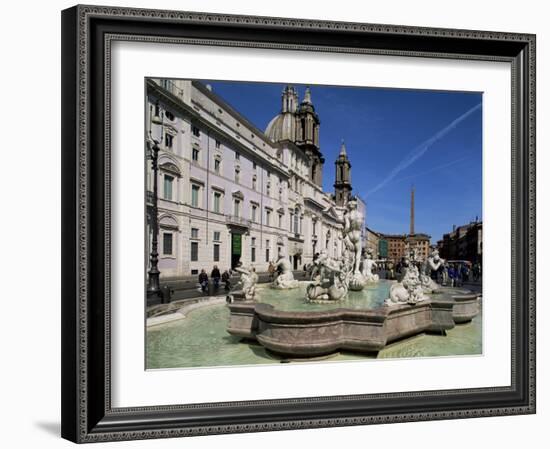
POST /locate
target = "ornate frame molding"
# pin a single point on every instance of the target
(88, 32)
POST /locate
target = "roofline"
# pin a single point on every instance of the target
(236, 114)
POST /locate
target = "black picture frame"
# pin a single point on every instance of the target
(87, 414)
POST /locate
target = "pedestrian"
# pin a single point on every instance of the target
(476, 272)
(465, 273)
(215, 275)
(226, 279)
(458, 273)
(452, 275)
(203, 281)
(271, 270)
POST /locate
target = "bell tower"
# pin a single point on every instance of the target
(342, 183)
(307, 137)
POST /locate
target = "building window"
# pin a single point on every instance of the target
(167, 243)
(195, 190)
(237, 156)
(237, 175)
(194, 233)
(217, 236)
(194, 251)
(218, 144)
(217, 202)
(237, 208)
(196, 132)
(195, 154)
(217, 164)
(267, 250)
(253, 213)
(268, 189)
(253, 254)
(170, 116)
(216, 252)
(254, 165)
(168, 140)
(280, 220)
(268, 217)
(168, 183)
(296, 222)
(254, 182)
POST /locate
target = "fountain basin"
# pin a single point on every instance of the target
(313, 334)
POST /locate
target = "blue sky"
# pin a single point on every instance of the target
(395, 138)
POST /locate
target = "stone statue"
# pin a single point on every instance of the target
(248, 282)
(353, 224)
(284, 278)
(432, 263)
(367, 265)
(409, 290)
(330, 280)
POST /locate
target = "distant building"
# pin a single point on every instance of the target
(229, 192)
(393, 246)
(463, 243)
(372, 242)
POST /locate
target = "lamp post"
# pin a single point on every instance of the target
(154, 292)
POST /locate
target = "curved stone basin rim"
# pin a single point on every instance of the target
(316, 333)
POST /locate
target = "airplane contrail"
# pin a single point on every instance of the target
(419, 151)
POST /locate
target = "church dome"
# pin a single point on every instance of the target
(282, 127)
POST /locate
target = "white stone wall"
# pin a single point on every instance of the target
(281, 185)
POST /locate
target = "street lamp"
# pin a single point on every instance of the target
(154, 292)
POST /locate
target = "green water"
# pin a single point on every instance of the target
(371, 297)
(201, 340)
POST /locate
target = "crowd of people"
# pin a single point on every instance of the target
(454, 274)
(216, 277)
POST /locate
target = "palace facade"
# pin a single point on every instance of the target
(229, 192)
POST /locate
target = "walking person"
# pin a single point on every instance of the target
(215, 275)
(203, 281)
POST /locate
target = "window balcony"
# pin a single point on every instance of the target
(236, 221)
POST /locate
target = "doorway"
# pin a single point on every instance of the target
(236, 249)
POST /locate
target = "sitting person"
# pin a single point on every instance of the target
(215, 275)
(226, 279)
(203, 281)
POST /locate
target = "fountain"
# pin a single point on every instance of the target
(331, 278)
(346, 306)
